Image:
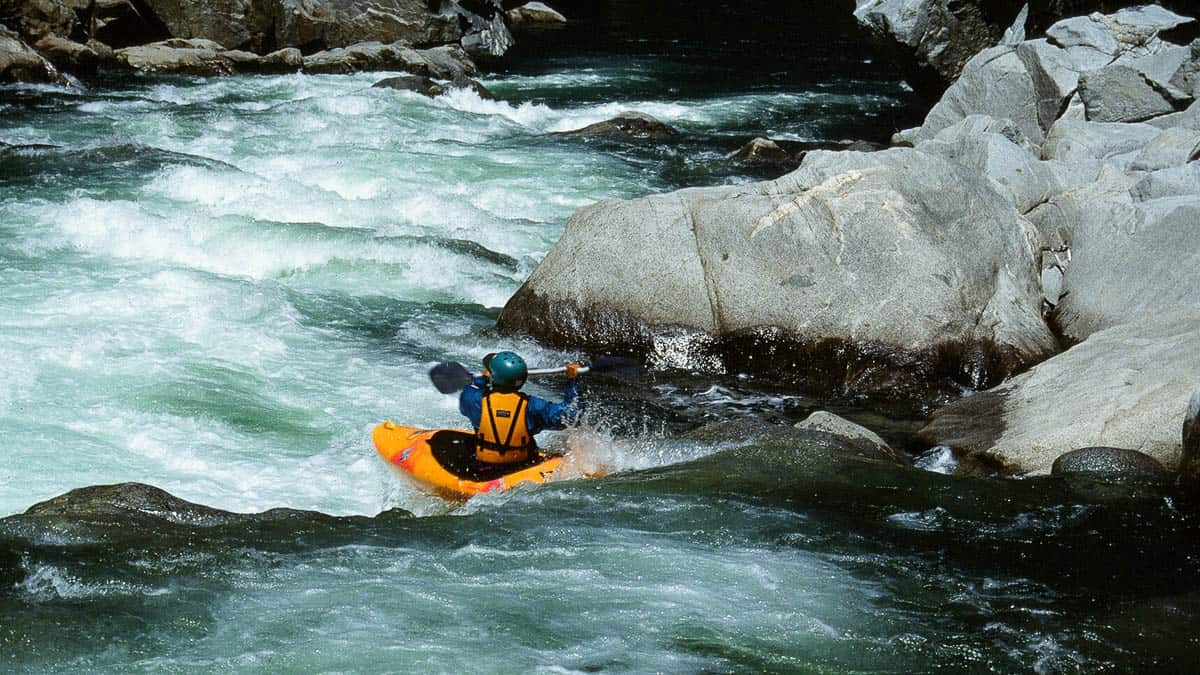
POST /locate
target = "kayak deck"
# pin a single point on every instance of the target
(443, 461)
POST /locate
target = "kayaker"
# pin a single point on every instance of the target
(506, 420)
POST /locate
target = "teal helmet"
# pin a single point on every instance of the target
(508, 371)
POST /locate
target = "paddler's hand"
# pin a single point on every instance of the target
(572, 371)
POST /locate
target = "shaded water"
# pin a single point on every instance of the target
(218, 287)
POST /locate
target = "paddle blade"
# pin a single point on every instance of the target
(607, 363)
(449, 377)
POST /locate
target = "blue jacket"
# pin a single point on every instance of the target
(540, 414)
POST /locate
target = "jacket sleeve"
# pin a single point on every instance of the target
(542, 414)
(470, 401)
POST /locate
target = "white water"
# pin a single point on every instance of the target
(219, 286)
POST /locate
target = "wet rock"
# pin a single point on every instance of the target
(1109, 462)
(1190, 464)
(627, 125)
(534, 16)
(415, 83)
(762, 150)
(20, 63)
(893, 256)
(1124, 387)
(855, 434)
(1119, 93)
(105, 501)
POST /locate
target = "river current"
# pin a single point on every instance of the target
(219, 286)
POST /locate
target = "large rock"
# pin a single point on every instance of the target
(1176, 181)
(1000, 152)
(314, 25)
(932, 40)
(73, 57)
(995, 83)
(447, 62)
(534, 16)
(229, 23)
(485, 34)
(1097, 39)
(20, 63)
(1130, 261)
(1077, 141)
(1191, 440)
(1120, 93)
(189, 57)
(1124, 387)
(37, 19)
(895, 259)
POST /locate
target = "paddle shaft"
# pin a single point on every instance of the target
(561, 369)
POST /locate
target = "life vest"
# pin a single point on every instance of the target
(503, 436)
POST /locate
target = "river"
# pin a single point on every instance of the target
(219, 286)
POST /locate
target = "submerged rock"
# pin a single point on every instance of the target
(630, 124)
(415, 83)
(854, 433)
(1109, 462)
(1125, 387)
(762, 150)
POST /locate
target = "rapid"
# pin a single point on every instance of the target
(219, 286)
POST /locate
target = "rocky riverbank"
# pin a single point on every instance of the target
(1042, 218)
(43, 40)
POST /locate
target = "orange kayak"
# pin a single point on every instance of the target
(442, 461)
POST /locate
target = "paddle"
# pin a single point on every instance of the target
(450, 377)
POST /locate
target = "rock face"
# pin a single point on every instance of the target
(1113, 462)
(629, 124)
(1190, 463)
(36, 19)
(1124, 387)
(933, 39)
(901, 254)
(20, 63)
(1118, 67)
(310, 25)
